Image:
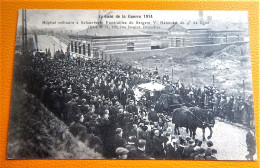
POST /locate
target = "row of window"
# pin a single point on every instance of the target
(80, 48)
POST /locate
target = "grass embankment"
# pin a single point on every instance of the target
(35, 133)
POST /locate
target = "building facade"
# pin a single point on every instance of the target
(101, 43)
(196, 33)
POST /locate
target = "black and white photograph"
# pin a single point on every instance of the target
(132, 84)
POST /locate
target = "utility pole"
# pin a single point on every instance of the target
(191, 78)
(172, 75)
(53, 49)
(213, 80)
(24, 30)
(244, 90)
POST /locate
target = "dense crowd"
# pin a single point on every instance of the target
(96, 99)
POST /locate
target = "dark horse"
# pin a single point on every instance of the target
(192, 118)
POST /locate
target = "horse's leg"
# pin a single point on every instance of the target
(187, 130)
(203, 134)
(194, 133)
(191, 133)
(178, 130)
(211, 131)
(175, 129)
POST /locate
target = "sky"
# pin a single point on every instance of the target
(35, 17)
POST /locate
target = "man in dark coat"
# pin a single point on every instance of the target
(188, 150)
(251, 144)
(178, 153)
(170, 149)
(157, 143)
(119, 141)
(78, 130)
(152, 115)
(139, 152)
(131, 108)
(123, 97)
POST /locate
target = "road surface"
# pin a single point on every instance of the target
(46, 41)
(229, 140)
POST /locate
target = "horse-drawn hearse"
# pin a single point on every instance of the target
(171, 104)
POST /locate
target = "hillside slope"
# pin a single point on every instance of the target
(35, 133)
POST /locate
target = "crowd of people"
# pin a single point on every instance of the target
(96, 99)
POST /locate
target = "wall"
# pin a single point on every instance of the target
(135, 55)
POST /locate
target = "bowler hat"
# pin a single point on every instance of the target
(121, 151)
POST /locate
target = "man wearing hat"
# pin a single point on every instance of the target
(119, 141)
(208, 151)
(157, 143)
(131, 108)
(170, 149)
(122, 153)
(212, 156)
(178, 150)
(77, 129)
(71, 109)
(139, 152)
(188, 150)
(152, 115)
(131, 144)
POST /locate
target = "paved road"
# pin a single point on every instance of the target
(45, 41)
(229, 140)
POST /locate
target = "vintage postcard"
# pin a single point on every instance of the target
(132, 84)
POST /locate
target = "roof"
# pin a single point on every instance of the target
(225, 26)
(191, 26)
(109, 32)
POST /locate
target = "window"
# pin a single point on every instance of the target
(84, 49)
(76, 47)
(72, 46)
(130, 46)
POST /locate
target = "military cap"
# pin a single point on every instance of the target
(75, 95)
(156, 131)
(94, 116)
(191, 141)
(145, 127)
(188, 138)
(121, 151)
(141, 143)
(132, 139)
(146, 122)
(106, 111)
(209, 143)
(197, 148)
(214, 151)
(181, 138)
(118, 130)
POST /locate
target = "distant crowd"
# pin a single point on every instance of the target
(96, 99)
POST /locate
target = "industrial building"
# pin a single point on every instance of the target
(102, 42)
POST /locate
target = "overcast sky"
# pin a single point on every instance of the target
(36, 17)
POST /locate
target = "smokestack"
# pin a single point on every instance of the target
(209, 18)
